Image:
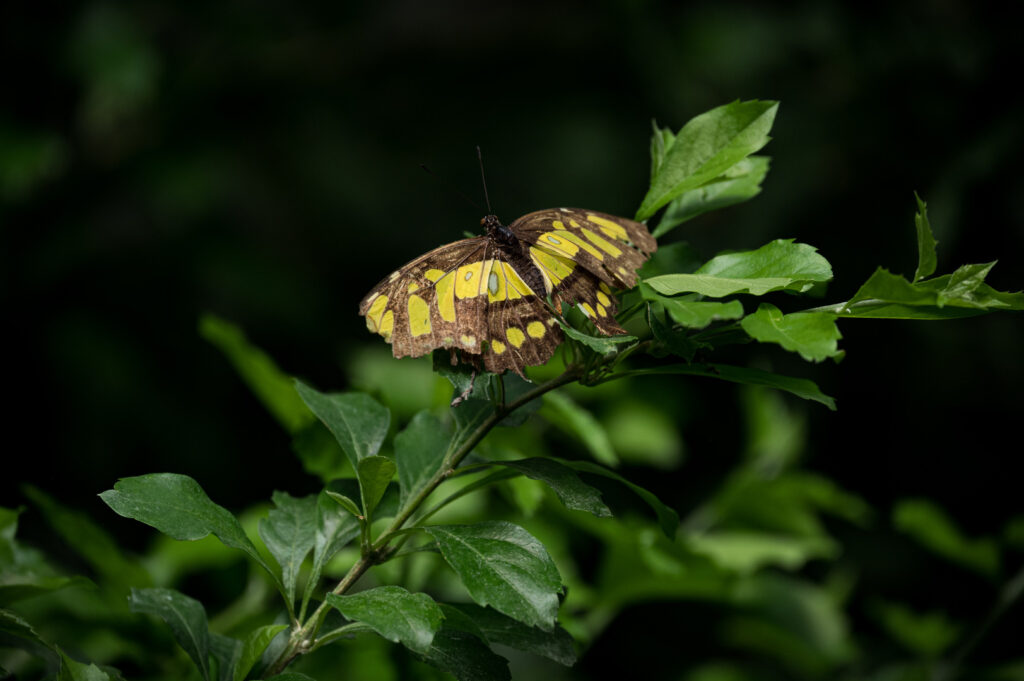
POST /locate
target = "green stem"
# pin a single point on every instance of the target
(303, 639)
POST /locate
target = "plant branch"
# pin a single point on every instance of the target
(303, 639)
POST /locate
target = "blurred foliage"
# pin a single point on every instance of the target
(160, 161)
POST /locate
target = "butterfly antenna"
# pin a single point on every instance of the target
(480, 158)
(449, 185)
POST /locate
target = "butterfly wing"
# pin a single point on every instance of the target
(582, 254)
(465, 295)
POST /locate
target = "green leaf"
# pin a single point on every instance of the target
(177, 506)
(671, 259)
(706, 147)
(801, 387)
(932, 527)
(346, 503)
(419, 452)
(926, 257)
(671, 341)
(926, 634)
(273, 387)
(890, 296)
(12, 626)
(91, 542)
(334, 530)
(602, 345)
(291, 676)
(289, 532)
(504, 566)
(812, 334)
(19, 587)
(186, 618)
(375, 472)
(71, 670)
(399, 616)
(572, 491)
(252, 649)
(747, 552)
(662, 140)
(227, 651)
(668, 519)
(740, 183)
(356, 420)
(556, 645)
(563, 412)
(466, 657)
(693, 314)
(776, 266)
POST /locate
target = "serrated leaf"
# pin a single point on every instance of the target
(668, 519)
(890, 296)
(504, 566)
(572, 491)
(814, 335)
(926, 256)
(411, 619)
(563, 412)
(466, 657)
(252, 648)
(177, 506)
(272, 386)
(740, 183)
(375, 472)
(289, 532)
(706, 147)
(334, 530)
(419, 452)
(556, 645)
(358, 422)
(933, 528)
(186, 618)
(776, 266)
(13, 626)
(72, 670)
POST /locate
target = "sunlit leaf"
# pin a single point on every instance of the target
(393, 612)
(926, 257)
(739, 183)
(504, 566)
(748, 552)
(814, 335)
(706, 147)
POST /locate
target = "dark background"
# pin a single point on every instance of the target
(260, 161)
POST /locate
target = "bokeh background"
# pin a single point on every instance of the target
(261, 162)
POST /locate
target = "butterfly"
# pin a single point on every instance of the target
(494, 299)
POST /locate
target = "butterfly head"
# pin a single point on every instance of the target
(497, 231)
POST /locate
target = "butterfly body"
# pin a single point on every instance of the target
(496, 297)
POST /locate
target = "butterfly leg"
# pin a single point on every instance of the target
(462, 397)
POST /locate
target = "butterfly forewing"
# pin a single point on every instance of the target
(473, 295)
